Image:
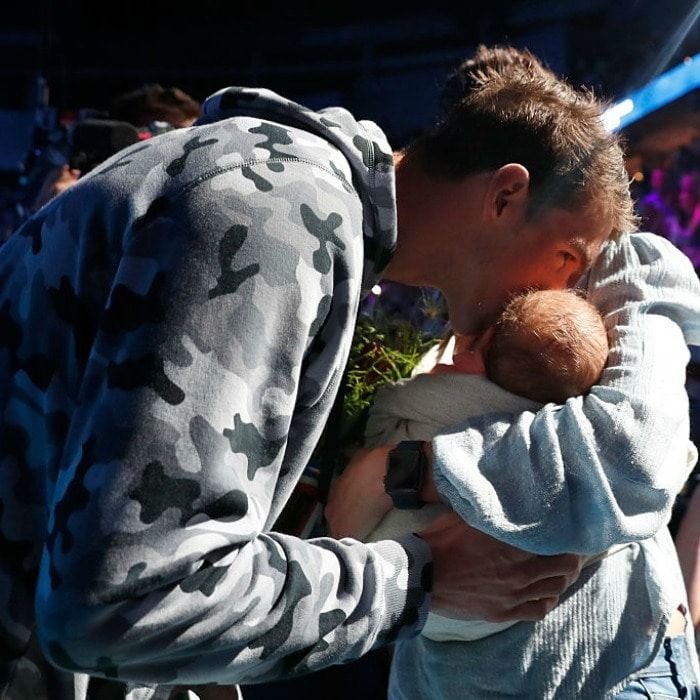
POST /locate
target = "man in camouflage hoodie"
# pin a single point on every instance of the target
(174, 330)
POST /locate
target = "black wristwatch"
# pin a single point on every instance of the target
(404, 474)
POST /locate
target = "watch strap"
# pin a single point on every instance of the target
(408, 498)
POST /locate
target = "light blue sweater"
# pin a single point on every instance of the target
(600, 470)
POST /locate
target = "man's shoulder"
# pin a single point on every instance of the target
(643, 250)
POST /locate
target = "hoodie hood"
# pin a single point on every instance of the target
(363, 144)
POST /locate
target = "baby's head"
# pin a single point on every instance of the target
(548, 346)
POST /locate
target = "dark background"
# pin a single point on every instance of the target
(384, 61)
(64, 61)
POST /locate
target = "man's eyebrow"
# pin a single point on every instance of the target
(583, 250)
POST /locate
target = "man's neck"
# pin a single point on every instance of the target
(435, 220)
(420, 248)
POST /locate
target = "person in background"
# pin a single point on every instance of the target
(90, 142)
(687, 536)
(683, 227)
(657, 207)
(154, 103)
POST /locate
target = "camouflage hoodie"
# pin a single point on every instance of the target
(172, 333)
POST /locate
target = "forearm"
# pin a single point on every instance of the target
(205, 388)
(274, 606)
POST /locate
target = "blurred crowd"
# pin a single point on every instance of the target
(76, 143)
(669, 205)
(667, 195)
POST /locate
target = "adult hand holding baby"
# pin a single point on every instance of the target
(478, 577)
(474, 575)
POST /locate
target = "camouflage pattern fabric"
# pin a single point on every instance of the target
(172, 332)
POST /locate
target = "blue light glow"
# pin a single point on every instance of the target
(657, 93)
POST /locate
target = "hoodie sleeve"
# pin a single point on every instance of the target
(604, 468)
(203, 396)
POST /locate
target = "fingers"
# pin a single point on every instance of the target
(533, 602)
(536, 568)
(527, 567)
(68, 173)
(532, 610)
(476, 576)
(547, 588)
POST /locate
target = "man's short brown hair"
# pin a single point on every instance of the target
(503, 106)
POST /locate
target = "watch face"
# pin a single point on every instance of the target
(403, 471)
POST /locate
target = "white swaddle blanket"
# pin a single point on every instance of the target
(417, 409)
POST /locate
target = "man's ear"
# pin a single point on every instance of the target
(507, 191)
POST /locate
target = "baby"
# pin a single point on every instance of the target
(547, 346)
